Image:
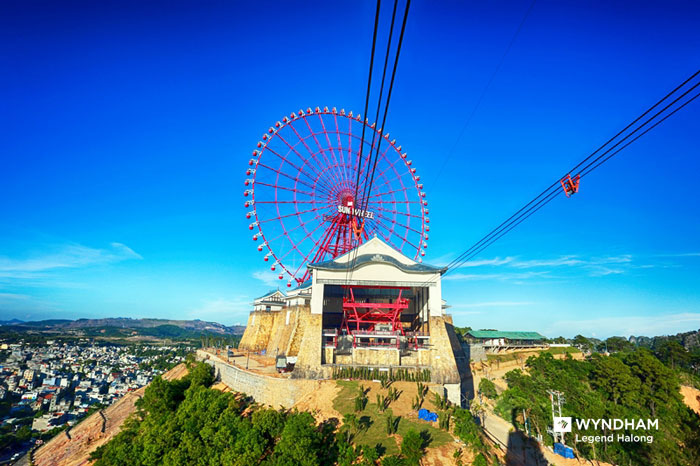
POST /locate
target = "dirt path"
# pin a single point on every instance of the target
(691, 397)
(320, 402)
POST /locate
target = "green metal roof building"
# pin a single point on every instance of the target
(498, 334)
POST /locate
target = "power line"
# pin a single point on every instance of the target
(367, 187)
(555, 189)
(556, 185)
(362, 138)
(369, 86)
(388, 99)
(381, 94)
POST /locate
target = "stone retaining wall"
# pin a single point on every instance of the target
(273, 391)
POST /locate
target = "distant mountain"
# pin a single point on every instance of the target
(190, 326)
(11, 322)
(689, 340)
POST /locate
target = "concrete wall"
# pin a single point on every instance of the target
(273, 391)
(285, 322)
(297, 333)
(444, 368)
(309, 357)
(258, 331)
(276, 332)
(300, 335)
(475, 352)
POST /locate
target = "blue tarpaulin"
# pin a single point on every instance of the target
(562, 450)
(427, 415)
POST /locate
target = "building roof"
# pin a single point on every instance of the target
(304, 285)
(270, 293)
(376, 258)
(508, 335)
(376, 251)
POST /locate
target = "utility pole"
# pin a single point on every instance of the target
(560, 399)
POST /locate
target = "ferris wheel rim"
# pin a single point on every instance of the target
(318, 203)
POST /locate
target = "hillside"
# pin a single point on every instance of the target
(344, 422)
(75, 446)
(627, 385)
(121, 326)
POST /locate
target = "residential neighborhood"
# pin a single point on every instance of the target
(52, 385)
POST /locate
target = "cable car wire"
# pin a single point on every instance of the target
(388, 98)
(379, 101)
(369, 86)
(555, 189)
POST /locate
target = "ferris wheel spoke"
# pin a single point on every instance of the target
(319, 174)
(294, 213)
(286, 232)
(390, 232)
(365, 195)
(295, 246)
(302, 139)
(313, 135)
(339, 178)
(356, 154)
(398, 175)
(330, 146)
(399, 213)
(286, 160)
(296, 180)
(312, 250)
(389, 192)
(405, 240)
(387, 181)
(288, 202)
(408, 227)
(356, 168)
(393, 195)
(293, 149)
(340, 146)
(405, 193)
(284, 188)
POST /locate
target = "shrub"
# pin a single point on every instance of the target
(488, 389)
(412, 447)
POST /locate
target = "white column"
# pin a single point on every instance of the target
(316, 296)
(435, 298)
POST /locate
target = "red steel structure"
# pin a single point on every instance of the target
(361, 316)
(301, 187)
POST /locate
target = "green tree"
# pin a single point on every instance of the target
(488, 389)
(673, 353)
(412, 447)
(269, 422)
(300, 441)
(616, 344)
(582, 342)
(614, 378)
(201, 374)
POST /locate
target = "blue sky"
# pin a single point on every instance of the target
(126, 128)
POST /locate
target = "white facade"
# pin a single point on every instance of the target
(375, 263)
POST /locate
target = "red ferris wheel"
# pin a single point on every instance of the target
(301, 190)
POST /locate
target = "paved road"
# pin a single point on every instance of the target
(520, 451)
